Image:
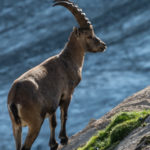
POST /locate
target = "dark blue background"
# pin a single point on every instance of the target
(31, 31)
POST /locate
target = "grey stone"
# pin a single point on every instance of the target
(138, 139)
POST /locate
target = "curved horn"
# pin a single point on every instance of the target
(81, 18)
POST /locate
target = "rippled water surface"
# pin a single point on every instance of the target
(31, 31)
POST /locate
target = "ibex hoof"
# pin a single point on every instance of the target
(64, 141)
(54, 147)
(23, 148)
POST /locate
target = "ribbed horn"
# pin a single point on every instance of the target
(81, 18)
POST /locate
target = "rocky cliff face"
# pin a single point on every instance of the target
(138, 139)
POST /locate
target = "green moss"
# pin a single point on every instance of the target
(120, 126)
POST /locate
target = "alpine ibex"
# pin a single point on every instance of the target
(37, 93)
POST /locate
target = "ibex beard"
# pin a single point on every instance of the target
(40, 91)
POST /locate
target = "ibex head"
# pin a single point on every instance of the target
(85, 33)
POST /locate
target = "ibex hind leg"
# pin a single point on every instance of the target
(17, 132)
(17, 128)
(33, 131)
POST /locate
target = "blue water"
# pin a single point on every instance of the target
(31, 31)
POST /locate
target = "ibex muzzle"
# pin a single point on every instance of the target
(40, 91)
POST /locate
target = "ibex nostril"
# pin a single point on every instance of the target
(104, 45)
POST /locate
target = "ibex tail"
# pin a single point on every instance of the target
(14, 111)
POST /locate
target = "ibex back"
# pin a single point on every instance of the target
(40, 91)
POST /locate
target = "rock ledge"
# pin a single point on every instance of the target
(139, 139)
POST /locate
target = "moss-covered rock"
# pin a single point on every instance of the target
(120, 126)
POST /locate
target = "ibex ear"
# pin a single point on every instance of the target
(76, 31)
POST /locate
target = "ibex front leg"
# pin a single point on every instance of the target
(64, 111)
(52, 143)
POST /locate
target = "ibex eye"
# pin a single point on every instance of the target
(89, 37)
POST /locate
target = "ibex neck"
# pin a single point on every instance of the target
(74, 52)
